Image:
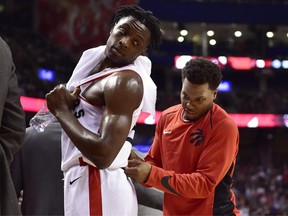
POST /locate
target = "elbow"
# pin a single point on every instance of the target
(199, 195)
(208, 189)
(102, 156)
(208, 192)
(101, 162)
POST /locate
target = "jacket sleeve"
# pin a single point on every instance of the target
(214, 163)
(12, 116)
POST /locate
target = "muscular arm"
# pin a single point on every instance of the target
(122, 95)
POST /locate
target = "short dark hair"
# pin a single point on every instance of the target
(201, 71)
(145, 17)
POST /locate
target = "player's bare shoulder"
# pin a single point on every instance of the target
(124, 88)
(127, 81)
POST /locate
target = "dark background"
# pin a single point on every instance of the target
(52, 34)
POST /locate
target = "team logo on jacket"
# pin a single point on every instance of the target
(197, 137)
(167, 131)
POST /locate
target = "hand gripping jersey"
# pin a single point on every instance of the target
(88, 190)
(193, 162)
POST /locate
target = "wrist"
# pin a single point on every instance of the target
(149, 168)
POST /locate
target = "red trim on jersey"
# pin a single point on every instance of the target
(97, 77)
(84, 99)
(95, 191)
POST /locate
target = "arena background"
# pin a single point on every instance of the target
(47, 38)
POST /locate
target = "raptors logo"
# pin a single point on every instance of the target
(197, 137)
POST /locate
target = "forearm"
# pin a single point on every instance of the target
(194, 185)
(61, 103)
(88, 143)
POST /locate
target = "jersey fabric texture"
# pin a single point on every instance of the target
(88, 190)
(193, 162)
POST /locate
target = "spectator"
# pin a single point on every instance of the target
(12, 129)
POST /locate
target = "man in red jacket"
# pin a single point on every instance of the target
(193, 155)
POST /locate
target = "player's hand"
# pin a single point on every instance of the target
(133, 155)
(61, 100)
(138, 170)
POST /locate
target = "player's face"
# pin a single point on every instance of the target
(196, 100)
(128, 39)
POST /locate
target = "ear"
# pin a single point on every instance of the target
(215, 94)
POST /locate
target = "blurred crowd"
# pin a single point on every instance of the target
(240, 101)
(261, 183)
(262, 190)
(32, 51)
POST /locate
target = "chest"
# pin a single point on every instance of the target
(182, 145)
(94, 91)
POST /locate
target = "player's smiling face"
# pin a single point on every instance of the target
(128, 39)
(196, 100)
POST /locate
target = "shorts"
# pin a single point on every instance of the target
(90, 191)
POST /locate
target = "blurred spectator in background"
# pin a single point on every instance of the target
(12, 130)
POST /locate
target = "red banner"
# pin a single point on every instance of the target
(79, 24)
(242, 120)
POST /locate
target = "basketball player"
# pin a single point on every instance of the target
(42, 192)
(193, 156)
(110, 86)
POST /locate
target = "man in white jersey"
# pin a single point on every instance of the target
(110, 86)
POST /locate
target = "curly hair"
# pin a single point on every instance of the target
(201, 71)
(145, 17)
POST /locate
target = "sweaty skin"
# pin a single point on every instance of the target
(120, 94)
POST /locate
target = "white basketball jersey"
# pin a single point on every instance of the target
(88, 190)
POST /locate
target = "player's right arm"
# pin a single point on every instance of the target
(122, 95)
